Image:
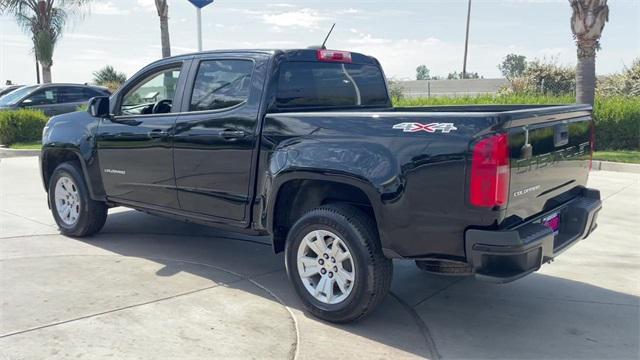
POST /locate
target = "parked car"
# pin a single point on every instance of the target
(305, 146)
(10, 88)
(52, 99)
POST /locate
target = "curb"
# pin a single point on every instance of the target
(10, 153)
(616, 167)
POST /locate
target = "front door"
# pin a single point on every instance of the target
(215, 137)
(135, 147)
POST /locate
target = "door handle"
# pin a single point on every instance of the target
(157, 134)
(232, 134)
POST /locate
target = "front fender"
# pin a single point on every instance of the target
(71, 137)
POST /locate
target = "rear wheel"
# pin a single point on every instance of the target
(73, 209)
(335, 263)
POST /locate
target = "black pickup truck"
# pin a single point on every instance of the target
(305, 147)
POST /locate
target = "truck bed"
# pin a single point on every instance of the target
(424, 172)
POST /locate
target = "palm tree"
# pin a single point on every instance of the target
(163, 13)
(587, 23)
(44, 20)
(109, 77)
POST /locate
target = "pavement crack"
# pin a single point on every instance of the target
(293, 354)
(295, 349)
(115, 310)
(29, 219)
(27, 236)
(440, 290)
(89, 241)
(424, 329)
(592, 302)
(621, 190)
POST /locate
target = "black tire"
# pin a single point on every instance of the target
(92, 214)
(373, 271)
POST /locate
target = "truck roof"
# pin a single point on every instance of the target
(298, 54)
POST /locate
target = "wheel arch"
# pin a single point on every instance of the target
(297, 193)
(52, 157)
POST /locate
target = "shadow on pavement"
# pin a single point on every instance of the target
(540, 316)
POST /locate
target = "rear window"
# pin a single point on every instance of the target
(315, 84)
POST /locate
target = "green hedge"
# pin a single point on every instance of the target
(21, 126)
(617, 123)
(617, 117)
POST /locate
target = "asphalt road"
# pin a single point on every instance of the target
(147, 287)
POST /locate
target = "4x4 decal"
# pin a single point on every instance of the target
(430, 128)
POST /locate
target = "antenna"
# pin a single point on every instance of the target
(327, 38)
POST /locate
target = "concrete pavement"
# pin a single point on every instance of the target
(147, 287)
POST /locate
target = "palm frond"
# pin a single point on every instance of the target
(57, 21)
(18, 6)
(75, 8)
(27, 23)
(46, 24)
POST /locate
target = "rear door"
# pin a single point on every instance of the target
(216, 134)
(550, 156)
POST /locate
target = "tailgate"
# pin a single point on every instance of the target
(550, 155)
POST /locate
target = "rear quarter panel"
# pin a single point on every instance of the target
(415, 181)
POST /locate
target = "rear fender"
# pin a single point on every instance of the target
(367, 166)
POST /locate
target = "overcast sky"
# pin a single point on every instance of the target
(402, 34)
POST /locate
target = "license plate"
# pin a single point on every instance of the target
(552, 222)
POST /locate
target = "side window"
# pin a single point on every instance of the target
(91, 93)
(73, 94)
(221, 84)
(154, 95)
(47, 96)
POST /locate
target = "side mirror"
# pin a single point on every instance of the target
(99, 107)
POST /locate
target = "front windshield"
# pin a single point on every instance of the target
(13, 97)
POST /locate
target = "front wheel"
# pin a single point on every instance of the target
(73, 209)
(335, 263)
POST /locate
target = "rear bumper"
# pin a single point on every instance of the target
(507, 255)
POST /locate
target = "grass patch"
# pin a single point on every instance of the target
(632, 157)
(26, 146)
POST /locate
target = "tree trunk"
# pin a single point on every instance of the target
(46, 74)
(586, 75)
(164, 36)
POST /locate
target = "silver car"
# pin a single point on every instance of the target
(52, 99)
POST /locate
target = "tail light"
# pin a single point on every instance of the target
(593, 144)
(334, 56)
(490, 172)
